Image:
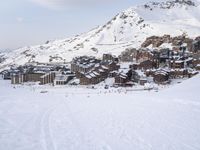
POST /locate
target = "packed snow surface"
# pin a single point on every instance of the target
(78, 118)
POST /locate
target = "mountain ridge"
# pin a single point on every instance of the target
(128, 28)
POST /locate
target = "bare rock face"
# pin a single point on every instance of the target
(177, 41)
(169, 4)
(156, 41)
(1, 60)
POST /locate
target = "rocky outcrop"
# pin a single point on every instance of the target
(157, 41)
(169, 4)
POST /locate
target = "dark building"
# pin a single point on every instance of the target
(147, 64)
(121, 79)
(110, 58)
(63, 79)
(164, 55)
(161, 76)
(42, 74)
(196, 46)
(178, 73)
(177, 64)
(6, 74)
(83, 64)
(91, 78)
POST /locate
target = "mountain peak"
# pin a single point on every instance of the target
(170, 4)
(128, 29)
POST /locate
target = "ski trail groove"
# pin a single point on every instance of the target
(46, 131)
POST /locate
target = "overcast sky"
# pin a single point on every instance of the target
(30, 22)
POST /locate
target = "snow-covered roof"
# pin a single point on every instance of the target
(179, 61)
(92, 75)
(122, 76)
(163, 71)
(61, 78)
(101, 70)
(96, 73)
(104, 67)
(88, 76)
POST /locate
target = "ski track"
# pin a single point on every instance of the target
(46, 130)
(74, 121)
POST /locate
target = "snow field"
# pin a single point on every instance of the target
(93, 120)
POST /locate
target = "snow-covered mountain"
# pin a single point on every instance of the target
(127, 29)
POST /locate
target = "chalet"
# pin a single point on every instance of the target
(85, 67)
(112, 74)
(124, 78)
(189, 62)
(196, 55)
(164, 55)
(198, 67)
(129, 55)
(178, 73)
(121, 79)
(177, 64)
(91, 78)
(134, 66)
(161, 76)
(192, 73)
(6, 74)
(150, 72)
(111, 66)
(156, 58)
(83, 64)
(96, 75)
(103, 71)
(86, 80)
(110, 58)
(147, 64)
(79, 74)
(134, 76)
(143, 55)
(196, 62)
(143, 81)
(60, 79)
(196, 45)
(110, 61)
(183, 48)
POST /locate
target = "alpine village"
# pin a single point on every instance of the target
(160, 60)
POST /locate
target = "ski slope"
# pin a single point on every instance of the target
(60, 118)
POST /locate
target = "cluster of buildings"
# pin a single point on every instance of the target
(132, 67)
(56, 74)
(92, 71)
